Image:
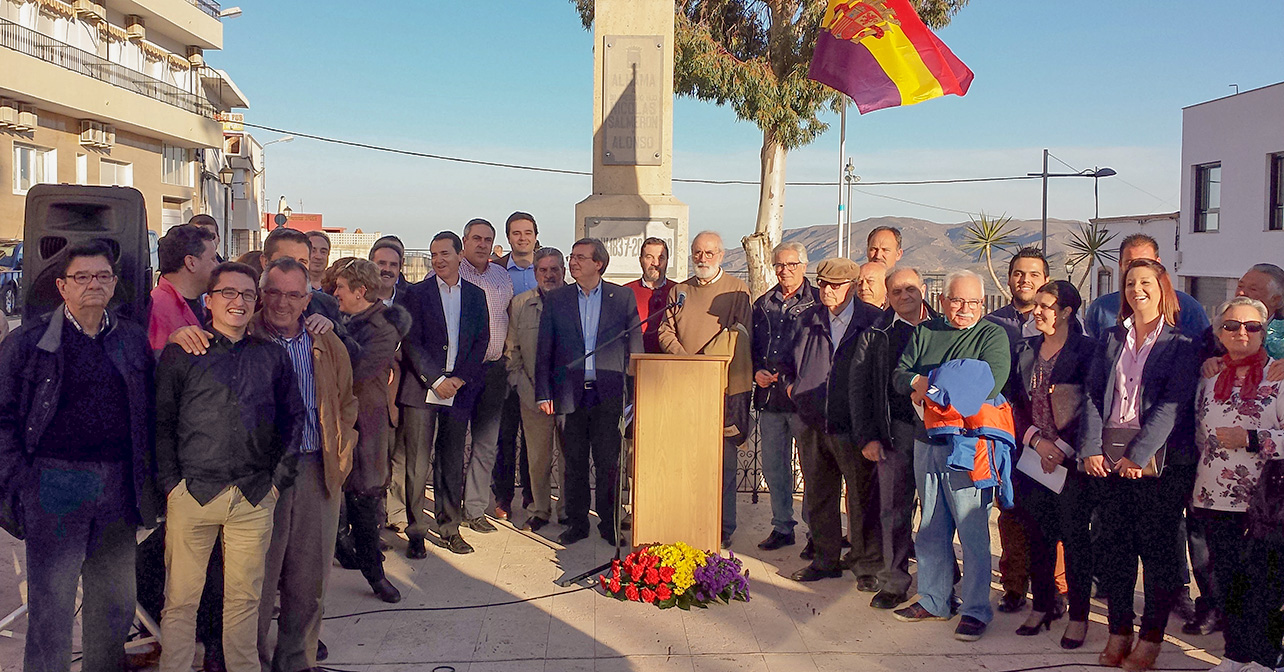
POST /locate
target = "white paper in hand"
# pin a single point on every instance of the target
(438, 401)
(1031, 464)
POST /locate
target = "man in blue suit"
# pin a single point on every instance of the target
(587, 332)
(443, 356)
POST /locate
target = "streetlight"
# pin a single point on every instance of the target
(1095, 174)
(263, 161)
(226, 176)
(230, 13)
(849, 176)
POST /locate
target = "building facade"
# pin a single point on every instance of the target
(113, 93)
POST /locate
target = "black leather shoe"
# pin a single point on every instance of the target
(384, 590)
(969, 629)
(811, 573)
(1210, 622)
(415, 550)
(455, 544)
(726, 542)
(571, 536)
(322, 651)
(867, 584)
(480, 524)
(1183, 606)
(809, 551)
(535, 524)
(886, 600)
(776, 540)
(1011, 602)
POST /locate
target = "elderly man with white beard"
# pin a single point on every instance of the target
(716, 306)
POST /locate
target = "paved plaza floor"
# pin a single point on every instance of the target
(442, 623)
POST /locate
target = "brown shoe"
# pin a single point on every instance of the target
(1142, 657)
(1117, 648)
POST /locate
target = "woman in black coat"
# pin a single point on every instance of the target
(1046, 391)
(374, 332)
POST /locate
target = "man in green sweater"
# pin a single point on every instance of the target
(949, 500)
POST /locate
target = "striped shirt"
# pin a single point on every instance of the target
(300, 350)
(499, 293)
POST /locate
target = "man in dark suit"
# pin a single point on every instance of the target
(587, 332)
(443, 352)
(824, 342)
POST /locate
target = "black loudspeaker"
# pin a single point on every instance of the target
(61, 215)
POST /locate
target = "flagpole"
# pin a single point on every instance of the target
(842, 159)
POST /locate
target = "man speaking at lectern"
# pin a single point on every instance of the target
(587, 332)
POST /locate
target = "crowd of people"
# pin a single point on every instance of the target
(278, 411)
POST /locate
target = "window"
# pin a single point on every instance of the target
(1275, 219)
(1208, 196)
(115, 174)
(82, 169)
(177, 166)
(33, 165)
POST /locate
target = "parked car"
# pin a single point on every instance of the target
(10, 276)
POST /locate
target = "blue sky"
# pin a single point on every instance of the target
(1098, 83)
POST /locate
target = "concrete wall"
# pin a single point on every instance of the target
(1241, 132)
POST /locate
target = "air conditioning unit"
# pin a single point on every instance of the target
(8, 113)
(88, 10)
(89, 131)
(196, 56)
(109, 136)
(135, 28)
(27, 118)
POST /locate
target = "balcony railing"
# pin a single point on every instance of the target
(208, 6)
(49, 50)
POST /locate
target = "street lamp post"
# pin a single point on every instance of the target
(1095, 174)
(226, 176)
(850, 176)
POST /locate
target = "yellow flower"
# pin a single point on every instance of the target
(683, 559)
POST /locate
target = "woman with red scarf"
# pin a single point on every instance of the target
(1240, 419)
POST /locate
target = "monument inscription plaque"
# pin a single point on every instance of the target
(632, 96)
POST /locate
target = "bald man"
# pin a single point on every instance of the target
(871, 284)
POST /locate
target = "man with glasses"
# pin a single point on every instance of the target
(76, 463)
(228, 428)
(775, 320)
(959, 333)
(716, 313)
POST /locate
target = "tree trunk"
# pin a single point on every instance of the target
(771, 215)
(989, 265)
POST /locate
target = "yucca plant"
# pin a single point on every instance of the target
(988, 235)
(1091, 245)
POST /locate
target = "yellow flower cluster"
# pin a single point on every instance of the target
(683, 559)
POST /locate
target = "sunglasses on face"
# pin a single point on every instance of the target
(1233, 326)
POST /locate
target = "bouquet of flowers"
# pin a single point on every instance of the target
(676, 575)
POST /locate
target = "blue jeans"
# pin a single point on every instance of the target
(950, 504)
(776, 435)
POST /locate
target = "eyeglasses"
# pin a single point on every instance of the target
(1233, 326)
(705, 254)
(249, 295)
(791, 265)
(276, 294)
(83, 277)
(826, 283)
(956, 302)
(582, 257)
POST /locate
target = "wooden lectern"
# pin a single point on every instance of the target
(677, 449)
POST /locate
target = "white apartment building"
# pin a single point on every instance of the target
(113, 92)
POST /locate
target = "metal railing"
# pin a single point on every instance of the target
(37, 45)
(208, 6)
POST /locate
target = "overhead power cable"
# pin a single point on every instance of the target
(582, 173)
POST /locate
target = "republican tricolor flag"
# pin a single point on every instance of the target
(880, 54)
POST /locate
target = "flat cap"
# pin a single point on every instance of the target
(839, 269)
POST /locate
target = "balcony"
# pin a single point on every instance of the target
(208, 6)
(49, 50)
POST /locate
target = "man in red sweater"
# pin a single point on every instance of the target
(652, 290)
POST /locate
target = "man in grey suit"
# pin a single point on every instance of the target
(587, 333)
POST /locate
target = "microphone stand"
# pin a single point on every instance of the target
(619, 480)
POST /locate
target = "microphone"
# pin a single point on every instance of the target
(682, 298)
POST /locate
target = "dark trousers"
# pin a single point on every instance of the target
(362, 511)
(1221, 535)
(896, 508)
(592, 431)
(1048, 517)
(1254, 622)
(448, 473)
(1139, 520)
(827, 459)
(511, 456)
(1014, 553)
(419, 427)
(80, 519)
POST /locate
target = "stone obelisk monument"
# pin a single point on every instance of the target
(632, 195)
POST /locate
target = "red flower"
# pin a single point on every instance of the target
(615, 571)
(663, 592)
(652, 576)
(636, 572)
(614, 585)
(666, 574)
(602, 580)
(631, 592)
(648, 595)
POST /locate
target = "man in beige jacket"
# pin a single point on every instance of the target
(715, 318)
(538, 427)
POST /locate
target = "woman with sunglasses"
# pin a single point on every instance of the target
(1240, 414)
(1138, 444)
